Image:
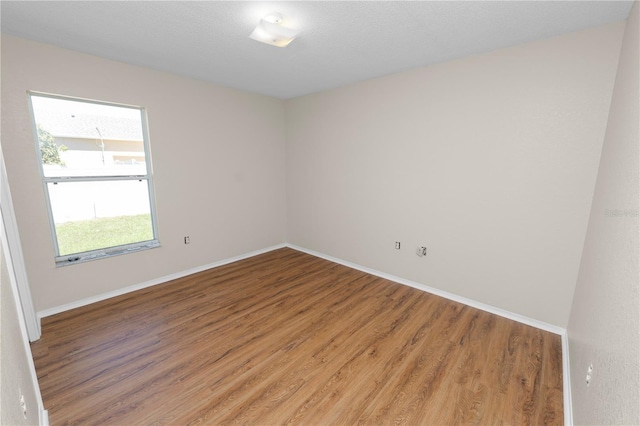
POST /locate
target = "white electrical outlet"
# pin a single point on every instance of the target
(421, 251)
(397, 245)
(187, 240)
(23, 405)
(589, 374)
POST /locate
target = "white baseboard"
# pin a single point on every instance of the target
(93, 299)
(454, 297)
(568, 414)
(44, 417)
(566, 381)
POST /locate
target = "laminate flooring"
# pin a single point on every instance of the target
(289, 338)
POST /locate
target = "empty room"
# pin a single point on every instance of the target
(320, 212)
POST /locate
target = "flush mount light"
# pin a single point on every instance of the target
(271, 31)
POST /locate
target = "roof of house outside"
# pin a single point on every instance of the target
(61, 124)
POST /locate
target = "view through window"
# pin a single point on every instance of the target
(96, 172)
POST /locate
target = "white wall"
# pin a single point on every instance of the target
(219, 168)
(604, 325)
(490, 161)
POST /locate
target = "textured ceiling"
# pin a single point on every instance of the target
(340, 42)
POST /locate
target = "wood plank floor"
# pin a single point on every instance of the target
(288, 338)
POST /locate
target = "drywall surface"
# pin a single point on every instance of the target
(604, 324)
(16, 366)
(489, 161)
(218, 165)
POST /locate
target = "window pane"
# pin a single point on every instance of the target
(87, 139)
(98, 215)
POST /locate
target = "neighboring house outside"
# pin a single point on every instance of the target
(87, 137)
(88, 151)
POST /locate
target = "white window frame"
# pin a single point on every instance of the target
(76, 258)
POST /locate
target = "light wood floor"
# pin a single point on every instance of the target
(286, 337)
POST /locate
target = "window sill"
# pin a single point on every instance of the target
(75, 259)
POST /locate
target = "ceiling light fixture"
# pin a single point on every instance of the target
(271, 31)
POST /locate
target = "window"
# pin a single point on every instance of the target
(96, 172)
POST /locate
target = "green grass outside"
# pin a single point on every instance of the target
(95, 234)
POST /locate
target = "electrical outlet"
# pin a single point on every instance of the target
(589, 374)
(187, 240)
(23, 405)
(397, 245)
(421, 251)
